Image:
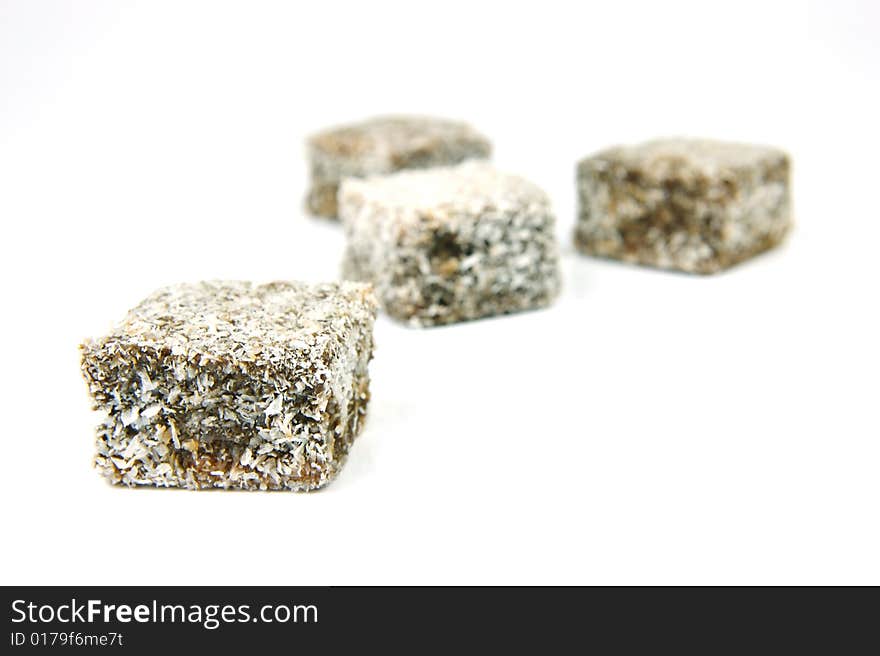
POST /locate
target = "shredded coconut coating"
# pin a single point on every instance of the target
(233, 385)
(693, 205)
(451, 244)
(384, 145)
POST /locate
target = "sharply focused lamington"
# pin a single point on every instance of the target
(233, 385)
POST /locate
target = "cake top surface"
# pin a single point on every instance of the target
(471, 187)
(396, 134)
(242, 321)
(704, 155)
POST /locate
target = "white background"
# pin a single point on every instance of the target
(648, 428)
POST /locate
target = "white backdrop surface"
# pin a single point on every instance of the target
(648, 428)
